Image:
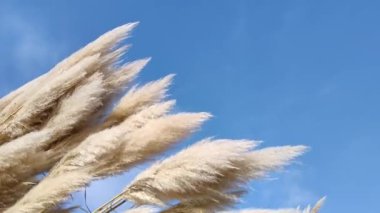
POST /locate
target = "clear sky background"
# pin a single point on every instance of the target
(281, 71)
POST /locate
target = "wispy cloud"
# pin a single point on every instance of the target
(286, 190)
(296, 193)
(27, 49)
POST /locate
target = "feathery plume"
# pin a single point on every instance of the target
(15, 101)
(189, 173)
(29, 116)
(318, 205)
(113, 150)
(112, 84)
(133, 102)
(24, 157)
(205, 204)
(138, 98)
(155, 137)
(102, 45)
(104, 144)
(6, 100)
(86, 98)
(50, 192)
(10, 194)
(78, 106)
(207, 168)
(125, 74)
(101, 148)
(262, 161)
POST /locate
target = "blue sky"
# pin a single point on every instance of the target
(281, 71)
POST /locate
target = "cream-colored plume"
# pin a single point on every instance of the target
(155, 137)
(116, 81)
(96, 155)
(192, 172)
(112, 150)
(137, 98)
(31, 101)
(125, 74)
(31, 114)
(102, 145)
(50, 192)
(208, 168)
(23, 158)
(102, 45)
(72, 111)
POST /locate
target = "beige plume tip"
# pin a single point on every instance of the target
(125, 28)
(195, 119)
(164, 82)
(318, 205)
(168, 79)
(298, 150)
(135, 67)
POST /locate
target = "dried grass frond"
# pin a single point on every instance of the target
(14, 102)
(102, 147)
(103, 45)
(137, 98)
(113, 83)
(50, 192)
(79, 105)
(29, 87)
(125, 74)
(207, 169)
(31, 116)
(99, 147)
(154, 138)
(318, 205)
(262, 161)
(205, 204)
(10, 194)
(24, 157)
(190, 173)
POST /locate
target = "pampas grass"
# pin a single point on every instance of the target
(138, 98)
(207, 169)
(64, 75)
(118, 80)
(126, 107)
(50, 192)
(103, 154)
(71, 124)
(100, 148)
(22, 159)
(77, 106)
(31, 115)
(102, 45)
